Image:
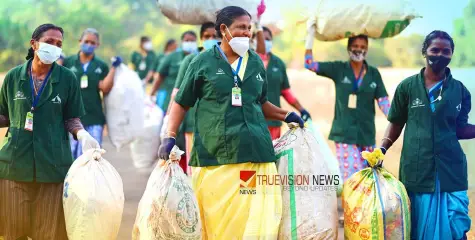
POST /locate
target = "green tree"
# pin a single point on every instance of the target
(464, 32)
(405, 51)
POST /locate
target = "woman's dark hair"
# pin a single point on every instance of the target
(352, 39)
(168, 44)
(188, 32)
(266, 29)
(205, 26)
(90, 31)
(38, 33)
(436, 34)
(227, 15)
(144, 39)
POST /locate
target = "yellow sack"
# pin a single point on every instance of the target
(376, 204)
(234, 205)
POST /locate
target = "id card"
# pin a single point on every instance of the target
(142, 66)
(236, 97)
(352, 101)
(84, 81)
(29, 122)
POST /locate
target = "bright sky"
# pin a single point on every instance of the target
(437, 14)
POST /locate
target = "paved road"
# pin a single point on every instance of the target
(134, 186)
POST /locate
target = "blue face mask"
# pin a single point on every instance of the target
(87, 49)
(268, 46)
(208, 44)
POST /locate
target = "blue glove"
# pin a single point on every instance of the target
(166, 147)
(305, 115)
(292, 117)
(116, 61)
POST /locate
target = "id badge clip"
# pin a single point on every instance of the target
(236, 97)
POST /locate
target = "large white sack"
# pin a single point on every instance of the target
(196, 12)
(144, 148)
(329, 157)
(335, 20)
(93, 199)
(308, 209)
(168, 208)
(124, 107)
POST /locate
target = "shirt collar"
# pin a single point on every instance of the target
(448, 76)
(25, 68)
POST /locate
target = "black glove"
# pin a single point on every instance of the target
(292, 117)
(305, 115)
(166, 147)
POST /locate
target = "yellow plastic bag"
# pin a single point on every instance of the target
(376, 204)
(233, 203)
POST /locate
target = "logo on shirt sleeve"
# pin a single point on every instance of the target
(56, 100)
(259, 78)
(459, 107)
(98, 70)
(220, 71)
(274, 69)
(417, 103)
(373, 85)
(74, 69)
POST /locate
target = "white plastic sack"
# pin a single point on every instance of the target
(93, 199)
(329, 157)
(310, 208)
(197, 12)
(144, 148)
(168, 208)
(341, 19)
(124, 107)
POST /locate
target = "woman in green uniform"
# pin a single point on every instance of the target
(231, 141)
(434, 108)
(94, 77)
(168, 69)
(40, 102)
(208, 40)
(143, 61)
(357, 86)
(170, 47)
(278, 84)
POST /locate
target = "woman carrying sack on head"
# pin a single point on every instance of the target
(40, 102)
(433, 107)
(94, 77)
(231, 142)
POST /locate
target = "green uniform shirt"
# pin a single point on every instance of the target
(44, 154)
(225, 134)
(158, 60)
(143, 64)
(277, 81)
(169, 68)
(189, 121)
(97, 70)
(353, 126)
(430, 141)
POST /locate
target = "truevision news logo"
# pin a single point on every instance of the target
(249, 180)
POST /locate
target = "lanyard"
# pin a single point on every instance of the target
(357, 80)
(235, 72)
(85, 66)
(36, 98)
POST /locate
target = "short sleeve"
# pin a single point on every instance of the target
(132, 60)
(285, 82)
(157, 62)
(165, 65)
(380, 88)
(4, 96)
(465, 107)
(182, 70)
(188, 93)
(399, 106)
(263, 99)
(329, 69)
(74, 107)
(105, 71)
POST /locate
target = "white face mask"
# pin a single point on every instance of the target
(189, 46)
(48, 53)
(357, 56)
(240, 45)
(148, 46)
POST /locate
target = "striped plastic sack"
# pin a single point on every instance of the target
(308, 188)
(376, 204)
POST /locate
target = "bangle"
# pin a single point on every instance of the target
(389, 139)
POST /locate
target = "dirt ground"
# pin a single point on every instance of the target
(317, 95)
